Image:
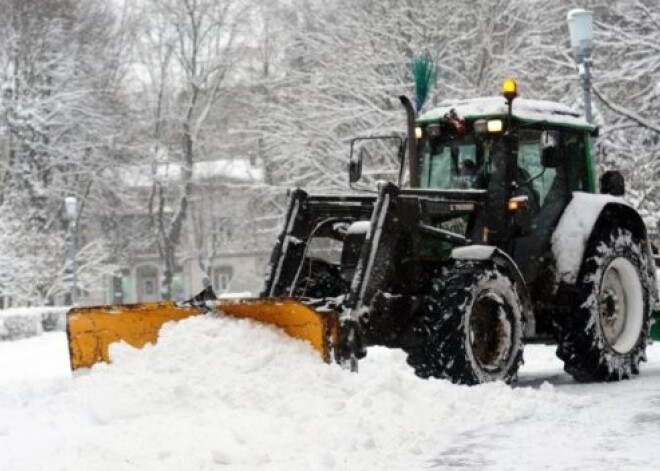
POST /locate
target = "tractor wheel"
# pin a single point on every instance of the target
(471, 329)
(604, 336)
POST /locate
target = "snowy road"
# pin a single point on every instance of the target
(227, 394)
(583, 427)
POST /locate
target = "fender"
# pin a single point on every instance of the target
(584, 217)
(507, 265)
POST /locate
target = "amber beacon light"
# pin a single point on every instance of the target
(509, 89)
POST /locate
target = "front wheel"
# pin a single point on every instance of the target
(604, 337)
(471, 329)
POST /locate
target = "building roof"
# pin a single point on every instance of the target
(237, 170)
(523, 109)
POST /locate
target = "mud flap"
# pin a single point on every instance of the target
(655, 325)
(91, 330)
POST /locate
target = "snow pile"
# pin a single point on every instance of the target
(231, 394)
(36, 359)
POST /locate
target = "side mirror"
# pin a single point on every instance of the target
(382, 153)
(611, 183)
(355, 167)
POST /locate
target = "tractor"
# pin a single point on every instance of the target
(500, 239)
(491, 235)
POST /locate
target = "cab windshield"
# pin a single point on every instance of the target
(456, 164)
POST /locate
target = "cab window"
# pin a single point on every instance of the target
(576, 167)
(529, 160)
(451, 166)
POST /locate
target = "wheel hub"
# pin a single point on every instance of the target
(613, 306)
(490, 334)
(619, 306)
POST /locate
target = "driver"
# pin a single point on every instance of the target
(469, 168)
(497, 181)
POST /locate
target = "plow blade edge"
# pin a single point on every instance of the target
(91, 330)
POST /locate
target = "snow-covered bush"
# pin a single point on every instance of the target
(27, 322)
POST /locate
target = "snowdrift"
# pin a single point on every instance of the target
(219, 393)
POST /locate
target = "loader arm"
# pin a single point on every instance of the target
(304, 214)
(389, 242)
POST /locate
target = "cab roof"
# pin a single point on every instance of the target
(523, 109)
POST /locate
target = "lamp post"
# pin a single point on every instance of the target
(580, 27)
(71, 207)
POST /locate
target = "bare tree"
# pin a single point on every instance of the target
(189, 51)
(347, 62)
(628, 66)
(60, 73)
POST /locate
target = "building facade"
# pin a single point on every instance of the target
(223, 242)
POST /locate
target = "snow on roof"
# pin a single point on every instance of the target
(227, 169)
(524, 109)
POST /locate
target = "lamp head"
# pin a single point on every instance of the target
(71, 207)
(580, 28)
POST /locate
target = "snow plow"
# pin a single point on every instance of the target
(492, 235)
(91, 330)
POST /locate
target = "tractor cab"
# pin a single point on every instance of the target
(528, 156)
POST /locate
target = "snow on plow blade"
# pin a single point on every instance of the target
(91, 330)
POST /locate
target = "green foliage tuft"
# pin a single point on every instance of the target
(425, 74)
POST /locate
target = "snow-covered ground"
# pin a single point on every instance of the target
(231, 394)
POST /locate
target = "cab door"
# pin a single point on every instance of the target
(552, 186)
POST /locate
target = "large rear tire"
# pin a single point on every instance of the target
(604, 337)
(471, 329)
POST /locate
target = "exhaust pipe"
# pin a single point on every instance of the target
(413, 164)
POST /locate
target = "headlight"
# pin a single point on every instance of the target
(495, 126)
(492, 126)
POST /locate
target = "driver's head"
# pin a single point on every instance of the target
(469, 167)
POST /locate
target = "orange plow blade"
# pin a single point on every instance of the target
(296, 319)
(91, 330)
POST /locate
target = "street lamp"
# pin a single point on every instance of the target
(580, 27)
(71, 207)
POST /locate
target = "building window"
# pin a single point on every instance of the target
(221, 230)
(149, 287)
(147, 283)
(222, 277)
(178, 288)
